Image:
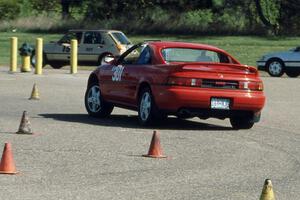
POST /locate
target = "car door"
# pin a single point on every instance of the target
(293, 58)
(134, 66)
(119, 81)
(60, 51)
(91, 46)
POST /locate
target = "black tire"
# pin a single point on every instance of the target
(94, 103)
(275, 67)
(241, 123)
(32, 59)
(56, 65)
(153, 116)
(292, 74)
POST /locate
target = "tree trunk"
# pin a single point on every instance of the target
(65, 5)
(261, 14)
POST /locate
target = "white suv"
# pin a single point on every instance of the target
(93, 46)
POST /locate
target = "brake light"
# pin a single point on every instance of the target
(251, 85)
(182, 81)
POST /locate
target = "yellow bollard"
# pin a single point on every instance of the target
(267, 191)
(25, 64)
(74, 52)
(13, 54)
(39, 56)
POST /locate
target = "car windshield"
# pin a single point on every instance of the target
(120, 37)
(193, 55)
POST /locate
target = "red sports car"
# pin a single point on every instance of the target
(176, 78)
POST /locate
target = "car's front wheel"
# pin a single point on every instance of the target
(241, 122)
(275, 67)
(94, 103)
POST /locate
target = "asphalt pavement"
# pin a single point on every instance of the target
(72, 156)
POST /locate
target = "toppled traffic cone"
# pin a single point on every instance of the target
(267, 191)
(155, 150)
(34, 93)
(25, 127)
(7, 165)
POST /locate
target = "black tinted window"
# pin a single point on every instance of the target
(70, 36)
(92, 38)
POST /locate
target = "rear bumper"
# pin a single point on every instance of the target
(173, 99)
(261, 65)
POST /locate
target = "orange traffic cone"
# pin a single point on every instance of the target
(34, 93)
(7, 165)
(267, 191)
(25, 127)
(155, 150)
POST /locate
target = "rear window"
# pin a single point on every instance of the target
(120, 37)
(193, 55)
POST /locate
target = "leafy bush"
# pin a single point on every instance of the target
(197, 20)
(9, 9)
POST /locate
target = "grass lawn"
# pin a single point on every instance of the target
(247, 49)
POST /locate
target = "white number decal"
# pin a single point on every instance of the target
(117, 73)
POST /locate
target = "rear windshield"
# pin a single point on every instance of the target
(193, 55)
(120, 37)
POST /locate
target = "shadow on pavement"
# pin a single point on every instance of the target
(131, 121)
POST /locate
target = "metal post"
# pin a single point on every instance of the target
(74, 61)
(13, 54)
(39, 56)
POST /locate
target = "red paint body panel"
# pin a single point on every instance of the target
(173, 98)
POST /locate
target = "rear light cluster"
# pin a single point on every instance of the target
(204, 83)
(251, 85)
(181, 81)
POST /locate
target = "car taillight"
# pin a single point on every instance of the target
(251, 85)
(182, 81)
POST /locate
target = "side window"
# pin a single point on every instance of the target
(224, 58)
(88, 38)
(145, 57)
(97, 38)
(138, 56)
(78, 37)
(92, 38)
(70, 36)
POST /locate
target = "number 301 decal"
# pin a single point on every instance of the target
(117, 73)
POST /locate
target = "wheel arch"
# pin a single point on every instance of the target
(275, 58)
(141, 86)
(93, 78)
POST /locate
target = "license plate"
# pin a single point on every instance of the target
(220, 103)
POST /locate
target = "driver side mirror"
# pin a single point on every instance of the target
(108, 59)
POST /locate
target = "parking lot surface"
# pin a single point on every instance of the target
(73, 156)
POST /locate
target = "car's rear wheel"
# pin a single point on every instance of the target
(148, 112)
(33, 59)
(275, 67)
(292, 74)
(94, 103)
(56, 65)
(241, 122)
